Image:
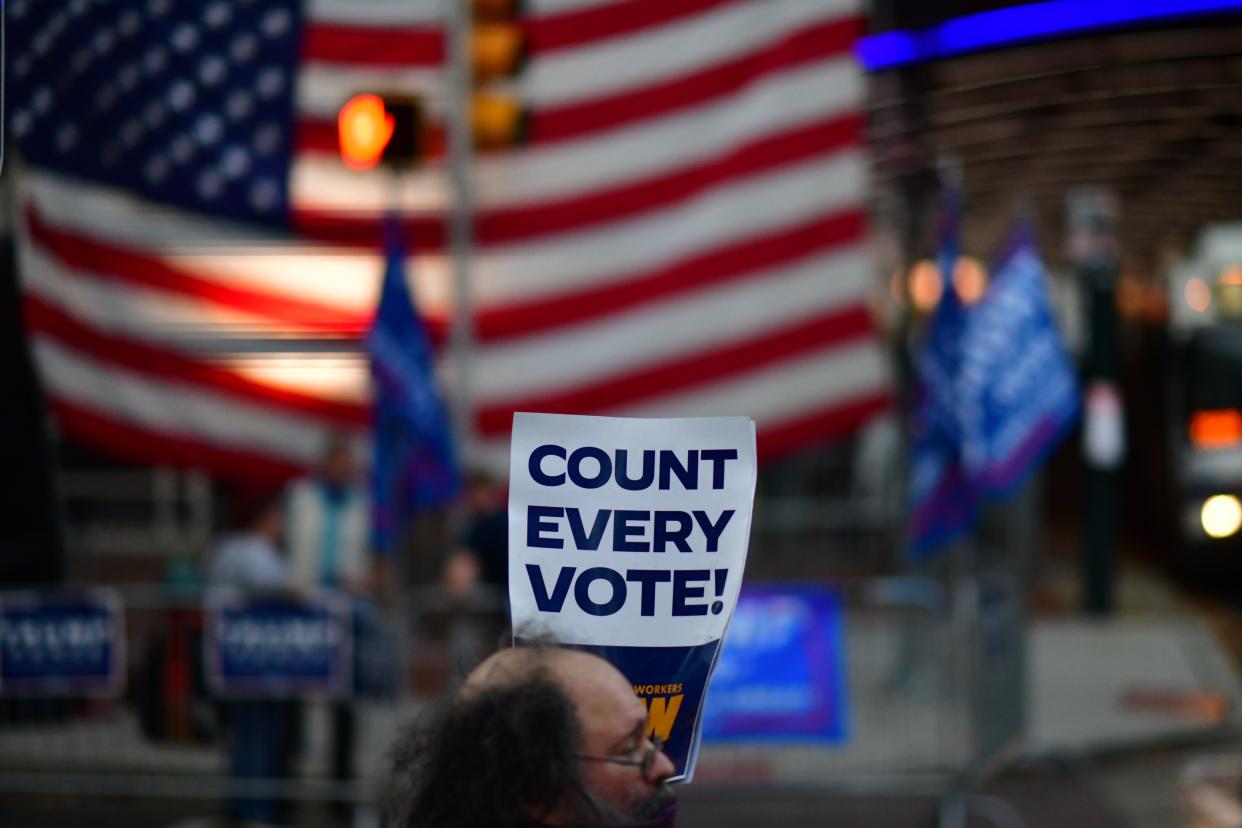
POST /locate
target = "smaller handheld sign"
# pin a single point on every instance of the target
(62, 644)
(274, 648)
(628, 538)
(781, 676)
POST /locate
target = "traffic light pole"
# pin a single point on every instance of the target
(1094, 247)
(461, 221)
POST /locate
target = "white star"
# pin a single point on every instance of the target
(105, 98)
(244, 47)
(154, 114)
(130, 133)
(185, 37)
(41, 101)
(267, 139)
(22, 65)
(181, 148)
(158, 8)
(81, 59)
(217, 15)
(271, 81)
(103, 41)
(181, 95)
(156, 169)
(155, 60)
(77, 8)
(128, 77)
(111, 154)
(208, 129)
(66, 137)
(129, 23)
(264, 195)
(275, 23)
(212, 69)
(235, 162)
(22, 122)
(17, 9)
(209, 184)
(239, 105)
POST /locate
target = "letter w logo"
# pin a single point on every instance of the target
(662, 714)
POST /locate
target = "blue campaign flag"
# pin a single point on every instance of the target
(943, 503)
(414, 466)
(1017, 383)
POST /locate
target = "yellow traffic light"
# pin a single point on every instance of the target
(497, 121)
(498, 50)
(495, 9)
(364, 128)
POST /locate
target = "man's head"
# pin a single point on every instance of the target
(337, 466)
(537, 735)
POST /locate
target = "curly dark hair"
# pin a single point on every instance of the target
(497, 757)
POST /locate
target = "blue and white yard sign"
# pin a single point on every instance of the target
(781, 676)
(628, 538)
(62, 644)
(272, 648)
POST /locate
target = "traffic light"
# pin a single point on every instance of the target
(498, 52)
(374, 129)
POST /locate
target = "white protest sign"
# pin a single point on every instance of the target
(629, 537)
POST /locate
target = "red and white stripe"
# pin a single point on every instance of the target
(685, 235)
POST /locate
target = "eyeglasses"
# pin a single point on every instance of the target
(644, 763)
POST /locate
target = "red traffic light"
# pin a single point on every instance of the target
(364, 128)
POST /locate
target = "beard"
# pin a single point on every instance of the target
(652, 806)
(654, 811)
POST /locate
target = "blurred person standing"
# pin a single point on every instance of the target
(537, 736)
(481, 557)
(328, 534)
(261, 734)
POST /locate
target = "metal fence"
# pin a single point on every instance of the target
(934, 677)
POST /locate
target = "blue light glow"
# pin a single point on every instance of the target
(1033, 21)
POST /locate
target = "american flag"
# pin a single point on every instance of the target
(684, 233)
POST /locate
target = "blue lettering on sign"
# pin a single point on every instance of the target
(623, 528)
(591, 467)
(556, 600)
(629, 529)
(686, 596)
(536, 465)
(683, 591)
(536, 525)
(582, 591)
(648, 578)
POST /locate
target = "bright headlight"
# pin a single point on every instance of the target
(1221, 515)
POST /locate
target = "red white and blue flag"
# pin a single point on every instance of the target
(683, 234)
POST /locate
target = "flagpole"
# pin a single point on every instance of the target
(461, 222)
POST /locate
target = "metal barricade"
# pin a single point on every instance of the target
(935, 676)
(163, 734)
(934, 668)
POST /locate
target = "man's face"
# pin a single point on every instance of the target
(614, 724)
(337, 465)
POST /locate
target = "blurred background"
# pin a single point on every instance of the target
(277, 274)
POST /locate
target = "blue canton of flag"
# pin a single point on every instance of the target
(414, 466)
(943, 505)
(1018, 381)
(190, 107)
